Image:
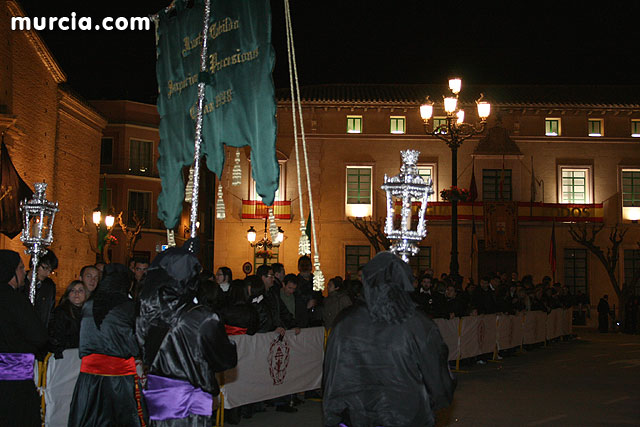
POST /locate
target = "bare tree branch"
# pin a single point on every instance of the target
(373, 230)
(132, 233)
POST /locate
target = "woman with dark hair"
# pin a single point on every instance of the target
(240, 317)
(256, 290)
(64, 328)
(223, 278)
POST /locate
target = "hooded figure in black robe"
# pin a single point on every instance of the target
(386, 363)
(184, 344)
(107, 339)
(21, 336)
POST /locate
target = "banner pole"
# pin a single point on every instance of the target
(198, 136)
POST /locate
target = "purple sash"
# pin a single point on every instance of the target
(16, 366)
(169, 398)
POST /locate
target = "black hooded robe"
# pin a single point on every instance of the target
(20, 332)
(386, 363)
(181, 340)
(107, 328)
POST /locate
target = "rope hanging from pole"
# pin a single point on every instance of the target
(318, 277)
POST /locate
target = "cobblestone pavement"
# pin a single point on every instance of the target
(590, 381)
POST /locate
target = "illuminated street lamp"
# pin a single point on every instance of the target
(264, 245)
(454, 131)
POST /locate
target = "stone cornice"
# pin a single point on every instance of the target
(38, 44)
(75, 108)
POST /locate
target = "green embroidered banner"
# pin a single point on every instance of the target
(239, 107)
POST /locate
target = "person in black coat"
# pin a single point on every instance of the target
(385, 330)
(64, 328)
(240, 317)
(105, 393)
(603, 314)
(45, 300)
(483, 298)
(184, 344)
(21, 336)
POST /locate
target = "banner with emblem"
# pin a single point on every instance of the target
(501, 226)
(477, 335)
(509, 331)
(239, 108)
(270, 367)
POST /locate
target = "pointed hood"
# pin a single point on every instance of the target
(387, 282)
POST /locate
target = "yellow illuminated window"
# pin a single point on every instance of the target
(595, 127)
(398, 124)
(354, 124)
(552, 127)
(440, 121)
(635, 128)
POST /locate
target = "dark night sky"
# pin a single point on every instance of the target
(561, 42)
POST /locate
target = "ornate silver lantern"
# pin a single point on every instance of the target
(406, 188)
(38, 216)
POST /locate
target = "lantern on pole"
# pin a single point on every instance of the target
(38, 216)
(406, 189)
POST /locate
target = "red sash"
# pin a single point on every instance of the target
(234, 330)
(101, 364)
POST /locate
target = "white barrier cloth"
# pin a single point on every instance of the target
(61, 380)
(269, 367)
(449, 331)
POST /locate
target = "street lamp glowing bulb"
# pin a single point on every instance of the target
(251, 234)
(426, 111)
(484, 109)
(109, 220)
(450, 104)
(97, 217)
(455, 85)
(460, 117)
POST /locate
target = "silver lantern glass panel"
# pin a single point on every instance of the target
(408, 187)
(38, 215)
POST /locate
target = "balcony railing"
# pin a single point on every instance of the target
(527, 211)
(254, 209)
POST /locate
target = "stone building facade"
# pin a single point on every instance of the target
(52, 135)
(584, 137)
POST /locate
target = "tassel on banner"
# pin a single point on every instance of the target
(171, 238)
(318, 277)
(304, 247)
(273, 229)
(220, 209)
(236, 173)
(188, 190)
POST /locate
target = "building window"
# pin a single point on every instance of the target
(575, 270)
(398, 124)
(440, 121)
(632, 269)
(575, 185)
(140, 204)
(140, 157)
(259, 260)
(496, 184)
(355, 257)
(421, 261)
(359, 190)
(427, 172)
(280, 191)
(106, 151)
(596, 127)
(635, 128)
(354, 124)
(551, 127)
(631, 188)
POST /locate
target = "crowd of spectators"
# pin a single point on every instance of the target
(273, 300)
(496, 293)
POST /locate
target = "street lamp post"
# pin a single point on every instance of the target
(454, 132)
(108, 221)
(264, 245)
